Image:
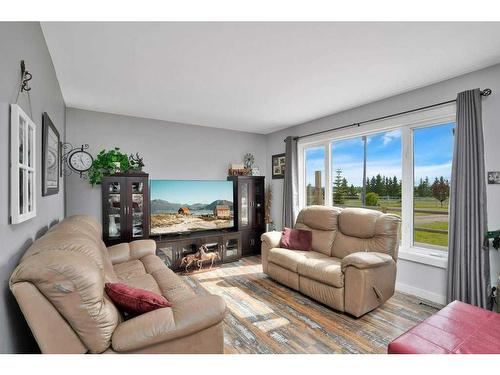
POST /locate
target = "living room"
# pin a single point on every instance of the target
(250, 187)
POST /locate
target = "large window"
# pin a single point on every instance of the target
(347, 162)
(432, 156)
(366, 171)
(400, 165)
(315, 175)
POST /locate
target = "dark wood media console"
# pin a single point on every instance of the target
(171, 249)
(243, 240)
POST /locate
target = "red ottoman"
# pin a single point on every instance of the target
(459, 328)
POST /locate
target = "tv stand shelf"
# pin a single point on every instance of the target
(172, 249)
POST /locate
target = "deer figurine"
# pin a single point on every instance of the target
(205, 255)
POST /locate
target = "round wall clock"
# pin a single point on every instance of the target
(248, 160)
(80, 161)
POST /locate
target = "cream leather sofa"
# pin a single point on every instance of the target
(352, 265)
(59, 285)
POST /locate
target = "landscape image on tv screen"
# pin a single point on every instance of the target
(190, 205)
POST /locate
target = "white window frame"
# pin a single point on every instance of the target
(406, 123)
(16, 216)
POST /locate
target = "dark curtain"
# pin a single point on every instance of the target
(468, 258)
(290, 185)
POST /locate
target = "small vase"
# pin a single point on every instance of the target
(113, 229)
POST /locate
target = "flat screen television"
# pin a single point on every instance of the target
(183, 206)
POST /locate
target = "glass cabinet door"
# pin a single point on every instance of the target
(136, 208)
(245, 204)
(232, 247)
(167, 253)
(115, 213)
(258, 205)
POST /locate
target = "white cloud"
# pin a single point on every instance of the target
(390, 136)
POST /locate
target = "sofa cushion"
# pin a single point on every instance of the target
(358, 222)
(322, 240)
(290, 259)
(326, 270)
(296, 239)
(130, 269)
(322, 222)
(146, 281)
(319, 217)
(172, 286)
(385, 237)
(135, 301)
(152, 263)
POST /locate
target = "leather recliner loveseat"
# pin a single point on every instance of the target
(352, 265)
(59, 285)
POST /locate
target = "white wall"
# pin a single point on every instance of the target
(170, 150)
(428, 281)
(18, 41)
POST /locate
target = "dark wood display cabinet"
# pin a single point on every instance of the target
(172, 250)
(125, 207)
(249, 211)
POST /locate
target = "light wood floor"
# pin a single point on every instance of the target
(266, 317)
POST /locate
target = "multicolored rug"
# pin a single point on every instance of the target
(266, 317)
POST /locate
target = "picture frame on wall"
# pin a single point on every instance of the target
(23, 178)
(278, 166)
(51, 156)
(494, 178)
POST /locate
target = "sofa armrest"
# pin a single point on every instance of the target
(365, 260)
(124, 252)
(182, 319)
(271, 239)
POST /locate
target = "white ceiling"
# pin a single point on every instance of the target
(257, 77)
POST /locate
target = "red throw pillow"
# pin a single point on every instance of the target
(296, 239)
(134, 301)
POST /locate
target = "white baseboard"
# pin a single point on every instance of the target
(422, 293)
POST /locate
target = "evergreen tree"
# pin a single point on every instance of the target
(338, 188)
(352, 192)
(345, 187)
(373, 185)
(397, 187)
(379, 185)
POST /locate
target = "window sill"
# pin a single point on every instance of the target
(435, 258)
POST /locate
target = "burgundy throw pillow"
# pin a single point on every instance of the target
(296, 239)
(133, 300)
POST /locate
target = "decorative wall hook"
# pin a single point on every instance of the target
(25, 78)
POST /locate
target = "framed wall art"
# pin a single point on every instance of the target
(23, 166)
(494, 177)
(278, 165)
(51, 156)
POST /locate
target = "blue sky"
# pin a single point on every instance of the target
(191, 191)
(433, 150)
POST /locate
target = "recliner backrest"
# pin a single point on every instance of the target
(67, 265)
(362, 229)
(323, 222)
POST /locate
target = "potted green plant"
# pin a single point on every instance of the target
(108, 162)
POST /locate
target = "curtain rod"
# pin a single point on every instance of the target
(485, 92)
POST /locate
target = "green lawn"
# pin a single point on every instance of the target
(437, 239)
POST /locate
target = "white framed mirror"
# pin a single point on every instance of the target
(23, 178)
